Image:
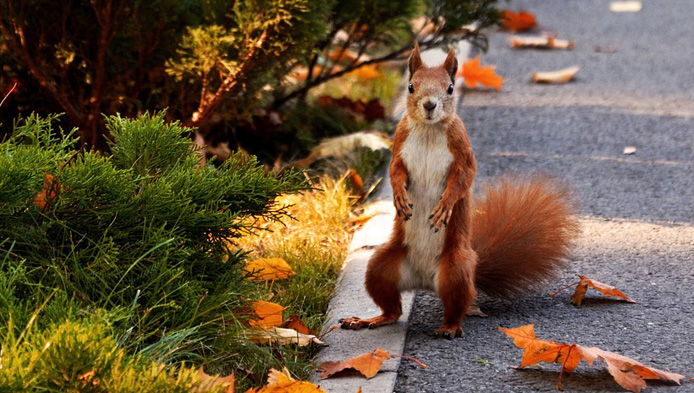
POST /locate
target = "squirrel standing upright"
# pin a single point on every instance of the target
(505, 244)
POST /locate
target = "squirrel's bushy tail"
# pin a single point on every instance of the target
(522, 230)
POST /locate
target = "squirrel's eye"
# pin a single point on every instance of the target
(410, 88)
(450, 89)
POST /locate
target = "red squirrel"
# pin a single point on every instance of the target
(445, 240)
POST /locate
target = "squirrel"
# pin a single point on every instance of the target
(505, 244)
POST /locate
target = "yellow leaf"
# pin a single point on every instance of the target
(473, 74)
(268, 269)
(209, 382)
(270, 314)
(282, 382)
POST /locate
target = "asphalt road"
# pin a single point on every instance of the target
(637, 210)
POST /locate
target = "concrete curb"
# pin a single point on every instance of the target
(350, 298)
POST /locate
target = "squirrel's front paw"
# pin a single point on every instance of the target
(403, 206)
(440, 216)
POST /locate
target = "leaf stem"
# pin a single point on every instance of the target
(553, 294)
(422, 365)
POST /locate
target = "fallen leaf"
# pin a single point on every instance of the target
(625, 6)
(517, 21)
(605, 289)
(208, 382)
(282, 382)
(560, 76)
(268, 269)
(294, 322)
(357, 182)
(629, 150)
(50, 191)
(284, 336)
(540, 42)
(367, 364)
(473, 74)
(475, 311)
(627, 372)
(270, 314)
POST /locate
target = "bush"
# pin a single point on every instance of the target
(143, 233)
(214, 64)
(82, 356)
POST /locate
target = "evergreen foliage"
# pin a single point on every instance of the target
(212, 63)
(143, 233)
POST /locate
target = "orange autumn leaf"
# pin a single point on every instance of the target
(268, 269)
(605, 289)
(518, 21)
(49, 192)
(367, 364)
(209, 382)
(294, 322)
(282, 382)
(473, 74)
(270, 314)
(366, 72)
(627, 372)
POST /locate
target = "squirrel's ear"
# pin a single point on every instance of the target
(415, 61)
(451, 64)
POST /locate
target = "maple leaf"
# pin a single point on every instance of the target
(270, 314)
(268, 269)
(518, 21)
(627, 372)
(282, 382)
(294, 322)
(209, 382)
(284, 336)
(473, 74)
(367, 364)
(582, 287)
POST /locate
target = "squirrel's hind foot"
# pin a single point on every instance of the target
(356, 323)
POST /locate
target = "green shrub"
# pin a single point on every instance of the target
(143, 233)
(82, 356)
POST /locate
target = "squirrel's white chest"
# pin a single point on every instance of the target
(427, 158)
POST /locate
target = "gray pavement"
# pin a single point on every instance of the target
(637, 210)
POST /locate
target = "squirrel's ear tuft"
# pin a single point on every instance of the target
(415, 61)
(451, 64)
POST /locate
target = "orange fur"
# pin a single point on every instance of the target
(505, 244)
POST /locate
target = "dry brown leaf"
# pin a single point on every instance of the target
(627, 372)
(294, 322)
(540, 42)
(270, 314)
(212, 381)
(284, 336)
(605, 289)
(475, 311)
(518, 21)
(268, 269)
(367, 364)
(560, 76)
(341, 146)
(473, 74)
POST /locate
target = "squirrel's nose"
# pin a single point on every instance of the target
(429, 106)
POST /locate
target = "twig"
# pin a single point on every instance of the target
(8, 94)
